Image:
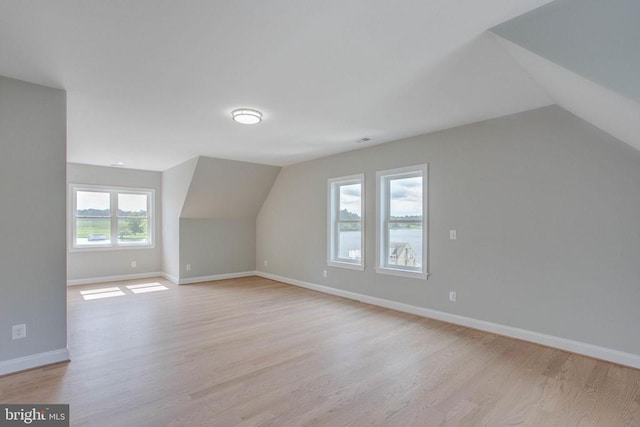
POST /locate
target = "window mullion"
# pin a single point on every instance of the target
(336, 226)
(336, 239)
(74, 202)
(387, 217)
(114, 218)
(150, 232)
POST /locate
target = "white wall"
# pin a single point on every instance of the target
(32, 230)
(546, 208)
(83, 265)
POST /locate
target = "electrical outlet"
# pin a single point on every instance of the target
(134, 264)
(324, 273)
(18, 331)
(452, 296)
(266, 263)
(188, 267)
(453, 234)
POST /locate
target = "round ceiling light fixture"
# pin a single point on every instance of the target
(246, 116)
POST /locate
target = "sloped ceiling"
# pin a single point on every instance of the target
(175, 187)
(151, 83)
(610, 111)
(585, 54)
(226, 189)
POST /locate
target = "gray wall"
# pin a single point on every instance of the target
(228, 189)
(175, 186)
(217, 246)
(546, 208)
(32, 230)
(89, 264)
(594, 38)
(217, 225)
(209, 209)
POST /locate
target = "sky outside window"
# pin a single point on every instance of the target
(350, 198)
(132, 203)
(93, 200)
(406, 197)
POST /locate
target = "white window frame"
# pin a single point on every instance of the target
(113, 208)
(383, 179)
(333, 206)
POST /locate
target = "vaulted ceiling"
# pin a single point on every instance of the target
(151, 83)
(585, 54)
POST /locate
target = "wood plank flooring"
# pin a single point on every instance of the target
(253, 351)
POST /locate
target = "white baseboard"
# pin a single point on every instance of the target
(597, 352)
(92, 280)
(33, 361)
(170, 278)
(216, 277)
(174, 279)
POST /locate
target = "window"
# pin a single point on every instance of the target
(402, 219)
(346, 220)
(111, 217)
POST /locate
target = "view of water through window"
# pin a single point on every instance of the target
(350, 241)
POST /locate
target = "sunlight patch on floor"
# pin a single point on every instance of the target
(96, 291)
(103, 295)
(99, 293)
(147, 287)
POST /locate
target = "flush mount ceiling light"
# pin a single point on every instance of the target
(117, 164)
(246, 116)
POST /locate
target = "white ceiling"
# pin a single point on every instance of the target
(152, 82)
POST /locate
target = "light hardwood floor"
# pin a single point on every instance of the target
(257, 352)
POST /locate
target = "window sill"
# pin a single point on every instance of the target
(347, 265)
(109, 248)
(402, 273)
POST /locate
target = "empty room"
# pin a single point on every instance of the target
(288, 213)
